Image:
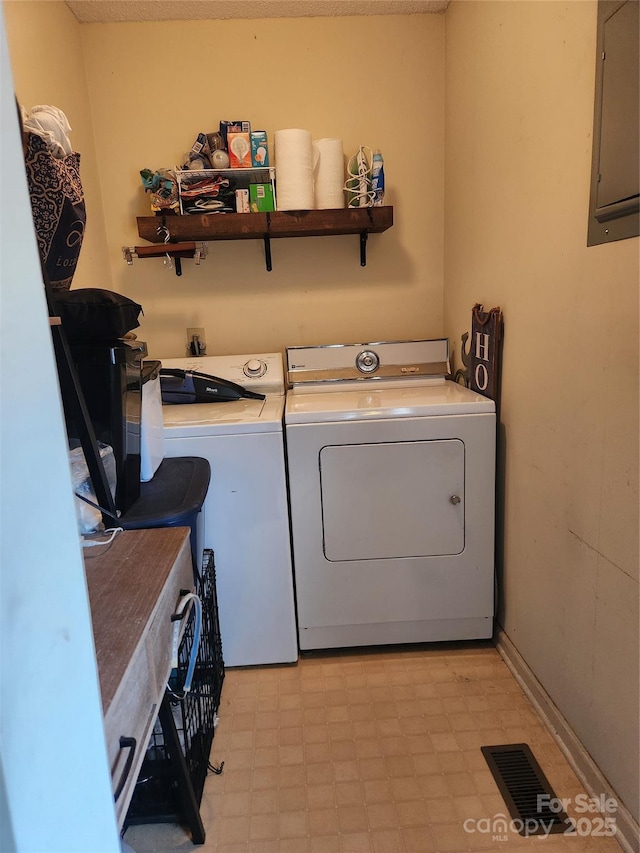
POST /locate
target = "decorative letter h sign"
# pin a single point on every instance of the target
(481, 370)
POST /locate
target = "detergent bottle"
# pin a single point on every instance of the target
(377, 179)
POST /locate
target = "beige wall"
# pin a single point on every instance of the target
(519, 90)
(519, 94)
(48, 68)
(155, 86)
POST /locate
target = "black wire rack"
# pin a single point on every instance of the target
(156, 797)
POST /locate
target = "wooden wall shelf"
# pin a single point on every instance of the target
(265, 226)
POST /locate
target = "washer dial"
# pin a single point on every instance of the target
(254, 368)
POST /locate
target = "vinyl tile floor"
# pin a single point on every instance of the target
(372, 751)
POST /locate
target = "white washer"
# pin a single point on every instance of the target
(391, 482)
(246, 519)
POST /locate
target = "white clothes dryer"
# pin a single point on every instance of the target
(245, 513)
(391, 483)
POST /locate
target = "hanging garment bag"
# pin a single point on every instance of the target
(57, 203)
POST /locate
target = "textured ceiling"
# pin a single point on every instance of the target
(101, 11)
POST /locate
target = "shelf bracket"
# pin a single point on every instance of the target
(363, 247)
(364, 235)
(267, 252)
(172, 253)
(267, 245)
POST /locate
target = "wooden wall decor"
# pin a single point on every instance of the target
(482, 361)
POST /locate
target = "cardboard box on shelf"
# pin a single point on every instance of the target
(235, 126)
(239, 146)
(259, 148)
(242, 201)
(261, 198)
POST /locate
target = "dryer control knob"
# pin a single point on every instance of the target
(254, 367)
(367, 361)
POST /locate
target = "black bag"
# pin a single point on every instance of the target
(57, 204)
(90, 313)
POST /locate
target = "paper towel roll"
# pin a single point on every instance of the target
(294, 169)
(328, 174)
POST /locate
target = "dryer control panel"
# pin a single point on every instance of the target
(369, 361)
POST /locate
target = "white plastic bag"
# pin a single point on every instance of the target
(89, 517)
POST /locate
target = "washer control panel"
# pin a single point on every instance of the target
(261, 372)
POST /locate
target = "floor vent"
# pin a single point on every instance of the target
(525, 790)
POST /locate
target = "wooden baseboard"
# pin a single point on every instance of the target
(595, 783)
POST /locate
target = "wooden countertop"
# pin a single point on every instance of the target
(125, 580)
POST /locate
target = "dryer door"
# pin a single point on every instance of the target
(390, 500)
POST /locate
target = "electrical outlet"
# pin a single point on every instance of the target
(196, 341)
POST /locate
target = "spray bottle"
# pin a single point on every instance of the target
(377, 179)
